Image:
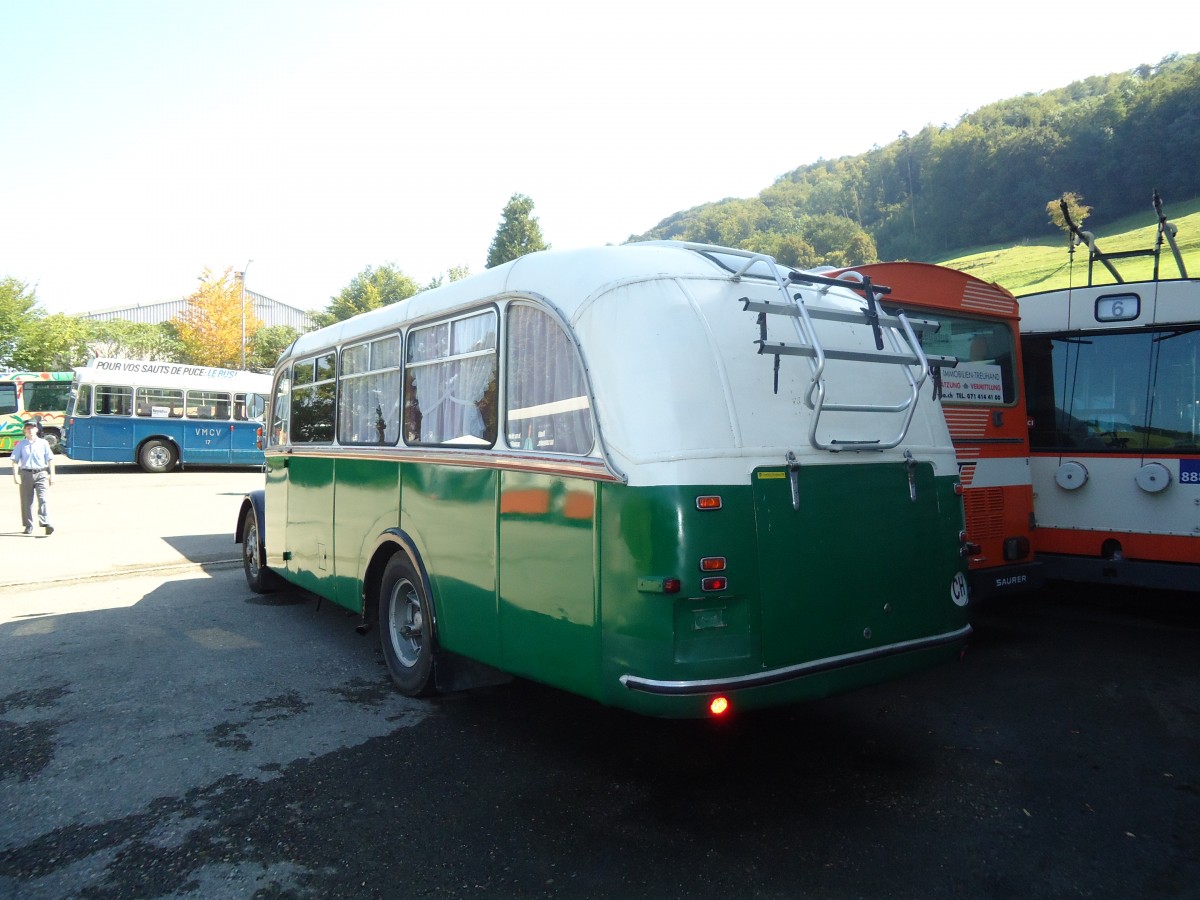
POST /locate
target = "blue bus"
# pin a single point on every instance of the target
(162, 415)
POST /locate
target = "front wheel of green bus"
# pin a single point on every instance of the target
(260, 579)
(406, 629)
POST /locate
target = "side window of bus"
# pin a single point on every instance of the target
(82, 405)
(369, 393)
(249, 407)
(547, 406)
(278, 431)
(112, 400)
(313, 389)
(207, 405)
(46, 396)
(160, 403)
(450, 390)
(8, 399)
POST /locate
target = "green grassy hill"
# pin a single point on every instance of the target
(1043, 265)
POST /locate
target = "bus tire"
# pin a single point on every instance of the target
(156, 456)
(260, 579)
(406, 628)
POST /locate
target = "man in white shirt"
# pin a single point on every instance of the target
(33, 471)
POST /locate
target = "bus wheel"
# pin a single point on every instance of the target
(261, 579)
(406, 629)
(52, 438)
(157, 456)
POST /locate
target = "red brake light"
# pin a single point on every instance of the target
(718, 706)
(716, 583)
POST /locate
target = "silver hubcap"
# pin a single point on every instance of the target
(406, 619)
(250, 548)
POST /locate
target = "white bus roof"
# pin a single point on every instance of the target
(569, 279)
(150, 373)
(671, 356)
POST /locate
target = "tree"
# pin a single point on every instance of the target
(455, 273)
(122, 339)
(54, 343)
(18, 311)
(1075, 209)
(370, 289)
(210, 329)
(519, 233)
(268, 345)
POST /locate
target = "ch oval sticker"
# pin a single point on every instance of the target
(958, 589)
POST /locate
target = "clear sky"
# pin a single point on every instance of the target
(143, 141)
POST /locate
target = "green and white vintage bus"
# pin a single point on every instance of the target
(673, 478)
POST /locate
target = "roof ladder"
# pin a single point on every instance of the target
(896, 344)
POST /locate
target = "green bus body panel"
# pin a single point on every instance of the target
(309, 534)
(275, 511)
(450, 514)
(367, 503)
(801, 587)
(548, 601)
(558, 578)
(833, 581)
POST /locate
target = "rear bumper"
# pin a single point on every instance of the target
(1136, 573)
(1006, 581)
(791, 673)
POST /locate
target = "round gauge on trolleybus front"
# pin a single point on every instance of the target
(1071, 476)
(1153, 477)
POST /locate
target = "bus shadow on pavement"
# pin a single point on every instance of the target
(204, 549)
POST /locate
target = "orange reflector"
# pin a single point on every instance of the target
(716, 583)
(958, 488)
(718, 706)
(712, 564)
(708, 503)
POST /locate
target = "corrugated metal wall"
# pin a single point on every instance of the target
(270, 312)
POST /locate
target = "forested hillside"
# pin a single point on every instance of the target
(1109, 139)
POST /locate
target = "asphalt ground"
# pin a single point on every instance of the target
(111, 520)
(164, 732)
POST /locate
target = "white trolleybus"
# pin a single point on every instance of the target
(162, 415)
(1113, 382)
(672, 478)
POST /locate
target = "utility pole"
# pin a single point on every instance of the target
(242, 278)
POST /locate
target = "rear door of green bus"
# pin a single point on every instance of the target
(854, 564)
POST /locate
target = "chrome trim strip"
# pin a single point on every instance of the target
(582, 466)
(787, 673)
